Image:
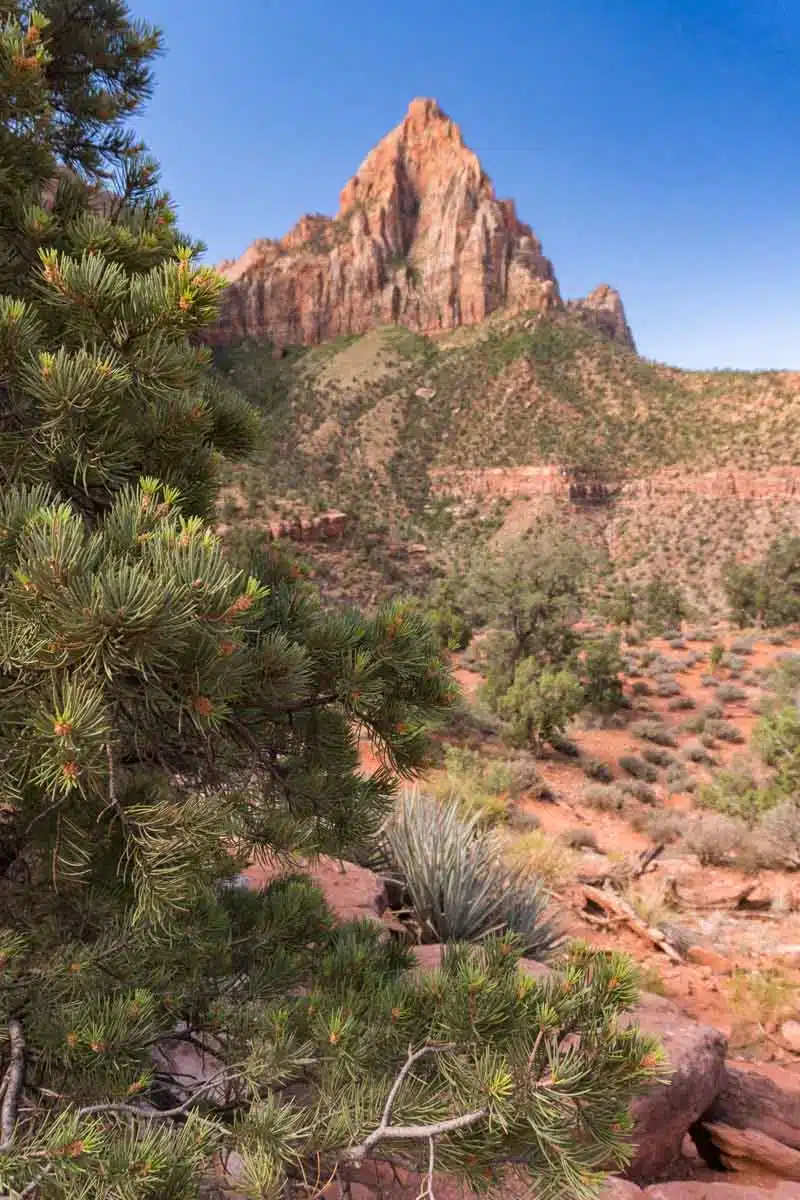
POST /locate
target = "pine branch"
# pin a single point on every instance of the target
(411, 1133)
(13, 1082)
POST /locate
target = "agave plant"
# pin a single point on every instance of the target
(460, 886)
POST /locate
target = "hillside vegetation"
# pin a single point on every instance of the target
(366, 424)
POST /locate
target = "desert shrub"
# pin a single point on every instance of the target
(452, 628)
(580, 838)
(776, 738)
(521, 820)
(662, 605)
(639, 790)
(696, 752)
(461, 888)
(694, 724)
(724, 730)
(715, 656)
(768, 591)
(565, 745)
(714, 838)
(600, 674)
(678, 779)
(734, 663)
(641, 688)
(681, 704)
(741, 646)
(677, 643)
(784, 679)
(531, 593)
(708, 681)
(653, 731)
(668, 687)
(736, 793)
(539, 705)
(779, 835)
(729, 693)
(600, 771)
(638, 768)
(662, 825)
(713, 712)
(604, 799)
(658, 756)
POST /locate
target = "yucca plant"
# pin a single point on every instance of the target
(461, 888)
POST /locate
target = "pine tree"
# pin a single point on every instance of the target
(167, 714)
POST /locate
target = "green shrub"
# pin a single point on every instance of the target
(539, 705)
(776, 738)
(600, 675)
(460, 888)
(641, 688)
(736, 793)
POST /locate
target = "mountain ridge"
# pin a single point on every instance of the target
(420, 239)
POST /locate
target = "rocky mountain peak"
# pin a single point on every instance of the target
(420, 239)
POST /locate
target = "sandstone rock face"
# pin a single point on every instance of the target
(603, 309)
(696, 1058)
(420, 239)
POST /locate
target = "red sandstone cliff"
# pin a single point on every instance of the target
(420, 239)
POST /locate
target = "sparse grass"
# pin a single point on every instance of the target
(759, 1000)
(545, 856)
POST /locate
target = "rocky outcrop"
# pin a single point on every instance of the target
(603, 309)
(328, 526)
(666, 1111)
(420, 239)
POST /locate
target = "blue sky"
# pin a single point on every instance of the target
(651, 144)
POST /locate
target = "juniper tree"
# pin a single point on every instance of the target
(168, 714)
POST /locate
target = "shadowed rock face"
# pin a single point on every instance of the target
(420, 239)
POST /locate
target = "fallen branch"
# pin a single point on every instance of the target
(620, 913)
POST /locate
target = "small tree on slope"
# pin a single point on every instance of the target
(161, 709)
